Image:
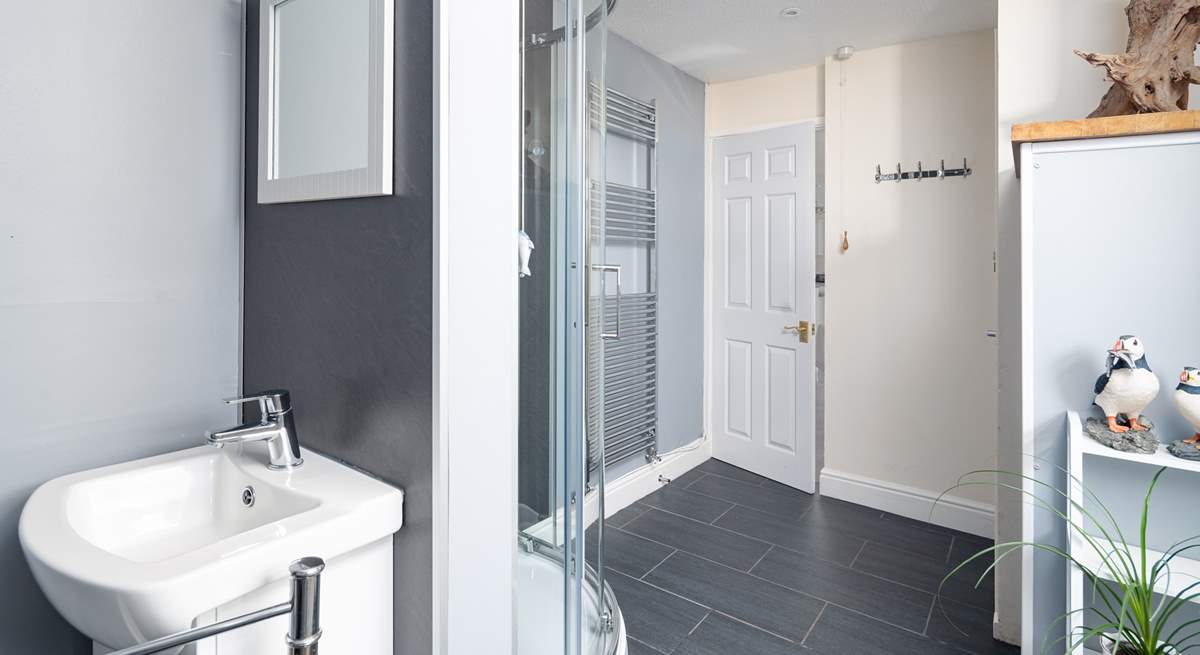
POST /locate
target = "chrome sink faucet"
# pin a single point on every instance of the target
(276, 427)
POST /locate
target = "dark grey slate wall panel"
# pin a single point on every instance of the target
(338, 309)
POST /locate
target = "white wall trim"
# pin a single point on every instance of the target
(709, 282)
(643, 481)
(1028, 430)
(632, 486)
(476, 205)
(951, 511)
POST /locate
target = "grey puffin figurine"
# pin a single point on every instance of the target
(1127, 386)
(1187, 401)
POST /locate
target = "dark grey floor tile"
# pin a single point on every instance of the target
(627, 553)
(791, 504)
(717, 467)
(969, 628)
(638, 648)
(869, 524)
(774, 608)
(689, 477)
(678, 500)
(720, 635)
(966, 548)
(924, 573)
(924, 523)
(825, 544)
(842, 632)
(698, 538)
(652, 616)
(626, 515)
(881, 599)
(779, 486)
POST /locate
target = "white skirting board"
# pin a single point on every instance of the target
(644, 480)
(633, 486)
(951, 512)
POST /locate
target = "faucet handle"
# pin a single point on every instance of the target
(270, 403)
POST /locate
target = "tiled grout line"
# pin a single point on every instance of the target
(772, 582)
(702, 619)
(757, 627)
(644, 644)
(781, 547)
(929, 617)
(711, 610)
(735, 504)
(856, 555)
(772, 545)
(714, 521)
(645, 508)
(796, 521)
(723, 529)
(760, 559)
(676, 550)
(814, 623)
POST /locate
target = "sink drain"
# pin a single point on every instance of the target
(248, 496)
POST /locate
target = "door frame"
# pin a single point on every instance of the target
(818, 123)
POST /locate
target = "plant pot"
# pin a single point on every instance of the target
(1109, 645)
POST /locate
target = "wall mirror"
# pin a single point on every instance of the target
(325, 99)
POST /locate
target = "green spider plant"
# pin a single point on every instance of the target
(1123, 583)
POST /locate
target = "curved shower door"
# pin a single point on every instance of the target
(562, 331)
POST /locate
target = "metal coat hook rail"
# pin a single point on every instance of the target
(941, 172)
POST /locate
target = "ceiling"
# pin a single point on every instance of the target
(722, 40)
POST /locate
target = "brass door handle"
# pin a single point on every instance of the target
(801, 328)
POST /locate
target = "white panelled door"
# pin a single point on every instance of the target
(763, 363)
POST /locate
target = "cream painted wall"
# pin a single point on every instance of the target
(1038, 78)
(754, 103)
(911, 376)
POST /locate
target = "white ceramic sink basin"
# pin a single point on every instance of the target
(138, 550)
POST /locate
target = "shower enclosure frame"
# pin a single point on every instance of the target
(557, 199)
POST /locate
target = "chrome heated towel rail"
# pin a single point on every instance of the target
(627, 217)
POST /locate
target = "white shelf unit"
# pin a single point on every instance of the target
(1184, 571)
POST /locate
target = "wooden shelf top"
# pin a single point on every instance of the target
(1097, 128)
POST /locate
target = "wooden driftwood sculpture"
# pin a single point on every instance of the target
(1158, 64)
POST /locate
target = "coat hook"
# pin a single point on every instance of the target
(845, 240)
(878, 174)
(899, 174)
(942, 170)
(966, 171)
(919, 175)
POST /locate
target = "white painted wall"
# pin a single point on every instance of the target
(475, 379)
(1038, 78)
(911, 378)
(120, 228)
(758, 102)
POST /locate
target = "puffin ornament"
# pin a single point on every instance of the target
(1127, 386)
(1187, 401)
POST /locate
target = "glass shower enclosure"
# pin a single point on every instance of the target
(564, 605)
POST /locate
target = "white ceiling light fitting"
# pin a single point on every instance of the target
(790, 13)
(843, 53)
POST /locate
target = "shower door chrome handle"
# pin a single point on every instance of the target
(604, 270)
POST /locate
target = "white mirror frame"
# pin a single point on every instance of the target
(373, 180)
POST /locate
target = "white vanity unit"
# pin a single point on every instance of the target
(1108, 237)
(143, 549)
